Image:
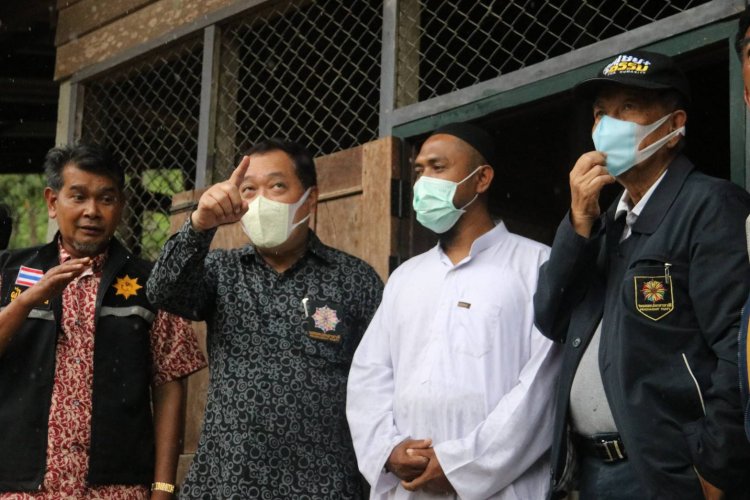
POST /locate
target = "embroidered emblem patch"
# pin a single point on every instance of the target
(653, 296)
(127, 286)
(15, 293)
(28, 276)
(324, 323)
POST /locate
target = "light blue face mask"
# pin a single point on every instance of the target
(433, 202)
(620, 140)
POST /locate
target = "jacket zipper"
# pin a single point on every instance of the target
(695, 381)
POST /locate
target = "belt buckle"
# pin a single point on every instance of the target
(612, 448)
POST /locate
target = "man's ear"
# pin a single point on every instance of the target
(312, 199)
(484, 178)
(51, 196)
(677, 120)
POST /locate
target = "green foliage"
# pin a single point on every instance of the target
(24, 195)
(163, 181)
(156, 224)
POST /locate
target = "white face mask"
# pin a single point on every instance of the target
(269, 223)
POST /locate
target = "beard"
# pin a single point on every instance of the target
(446, 239)
(90, 249)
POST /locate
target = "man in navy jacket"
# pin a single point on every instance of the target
(742, 44)
(646, 298)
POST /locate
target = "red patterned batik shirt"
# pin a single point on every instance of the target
(175, 354)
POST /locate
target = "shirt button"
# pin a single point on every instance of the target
(76, 403)
(576, 341)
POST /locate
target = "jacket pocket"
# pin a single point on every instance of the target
(698, 390)
(653, 288)
(478, 327)
(655, 294)
(323, 350)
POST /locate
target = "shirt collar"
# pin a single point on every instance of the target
(623, 206)
(314, 247)
(487, 240)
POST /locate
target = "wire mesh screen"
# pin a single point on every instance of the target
(307, 71)
(147, 115)
(446, 45)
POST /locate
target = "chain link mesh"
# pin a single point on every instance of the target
(147, 115)
(304, 71)
(309, 71)
(447, 45)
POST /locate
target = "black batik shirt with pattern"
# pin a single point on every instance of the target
(275, 422)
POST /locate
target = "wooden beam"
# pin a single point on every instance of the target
(87, 15)
(152, 21)
(381, 164)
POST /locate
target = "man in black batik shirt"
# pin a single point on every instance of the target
(284, 316)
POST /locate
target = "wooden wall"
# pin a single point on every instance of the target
(353, 215)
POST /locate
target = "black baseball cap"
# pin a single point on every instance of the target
(637, 68)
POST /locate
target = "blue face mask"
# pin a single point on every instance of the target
(433, 202)
(620, 140)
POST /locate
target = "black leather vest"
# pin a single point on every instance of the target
(122, 436)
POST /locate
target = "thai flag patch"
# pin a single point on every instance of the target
(28, 276)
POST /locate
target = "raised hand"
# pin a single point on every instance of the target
(222, 202)
(50, 286)
(587, 178)
(54, 282)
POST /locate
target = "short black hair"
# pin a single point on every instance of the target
(91, 158)
(744, 25)
(304, 166)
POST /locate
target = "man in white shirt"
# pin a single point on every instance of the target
(450, 390)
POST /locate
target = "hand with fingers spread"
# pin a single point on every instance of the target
(54, 282)
(51, 285)
(433, 479)
(222, 202)
(404, 464)
(587, 178)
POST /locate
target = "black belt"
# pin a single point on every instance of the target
(607, 447)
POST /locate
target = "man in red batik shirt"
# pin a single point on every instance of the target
(83, 355)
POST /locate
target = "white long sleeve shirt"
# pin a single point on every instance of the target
(452, 354)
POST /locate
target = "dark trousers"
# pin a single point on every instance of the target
(608, 481)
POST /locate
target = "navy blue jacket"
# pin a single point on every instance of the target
(668, 353)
